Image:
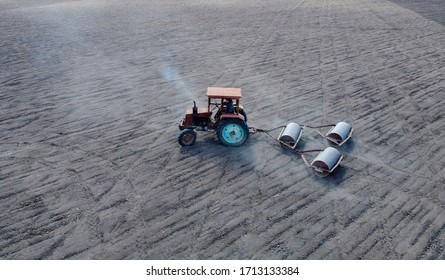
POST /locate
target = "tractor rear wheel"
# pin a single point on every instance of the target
(242, 112)
(232, 132)
(187, 137)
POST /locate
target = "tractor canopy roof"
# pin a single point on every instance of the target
(218, 92)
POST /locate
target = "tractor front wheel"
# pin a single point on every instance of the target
(187, 137)
(232, 132)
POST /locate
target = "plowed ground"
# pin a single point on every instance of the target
(91, 93)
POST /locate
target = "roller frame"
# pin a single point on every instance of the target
(316, 129)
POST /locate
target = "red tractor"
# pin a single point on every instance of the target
(223, 113)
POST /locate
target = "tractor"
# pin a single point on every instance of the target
(223, 113)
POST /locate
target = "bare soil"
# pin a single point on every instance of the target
(91, 93)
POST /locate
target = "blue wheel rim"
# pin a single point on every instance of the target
(233, 133)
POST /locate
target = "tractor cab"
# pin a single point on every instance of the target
(227, 103)
(223, 107)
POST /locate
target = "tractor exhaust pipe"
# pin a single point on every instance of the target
(195, 109)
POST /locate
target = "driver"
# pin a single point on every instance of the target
(229, 105)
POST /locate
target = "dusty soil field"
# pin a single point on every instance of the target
(91, 93)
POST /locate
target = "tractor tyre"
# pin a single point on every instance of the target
(187, 137)
(244, 114)
(232, 132)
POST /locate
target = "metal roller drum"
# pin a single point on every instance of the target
(290, 135)
(326, 161)
(340, 133)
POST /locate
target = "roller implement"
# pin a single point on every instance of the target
(227, 117)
